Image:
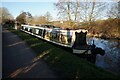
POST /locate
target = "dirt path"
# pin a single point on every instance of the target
(18, 58)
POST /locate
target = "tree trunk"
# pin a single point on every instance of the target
(91, 14)
(69, 18)
(76, 12)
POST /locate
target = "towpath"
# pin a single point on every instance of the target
(18, 59)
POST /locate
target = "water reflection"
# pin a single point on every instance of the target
(111, 60)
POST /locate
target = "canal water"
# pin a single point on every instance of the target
(111, 60)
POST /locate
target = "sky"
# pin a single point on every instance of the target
(35, 8)
(53, 0)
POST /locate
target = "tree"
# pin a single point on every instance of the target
(119, 17)
(24, 18)
(91, 11)
(48, 17)
(5, 15)
(79, 11)
(35, 20)
(21, 19)
(76, 11)
(29, 18)
(113, 13)
(68, 10)
(64, 10)
(39, 20)
(119, 9)
(42, 20)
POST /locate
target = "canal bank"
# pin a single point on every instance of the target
(62, 62)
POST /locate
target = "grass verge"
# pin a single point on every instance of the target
(64, 63)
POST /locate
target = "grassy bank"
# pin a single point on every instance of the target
(63, 63)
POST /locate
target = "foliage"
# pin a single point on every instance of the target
(48, 16)
(8, 23)
(113, 11)
(42, 19)
(24, 18)
(78, 14)
(77, 11)
(29, 18)
(21, 18)
(5, 15)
